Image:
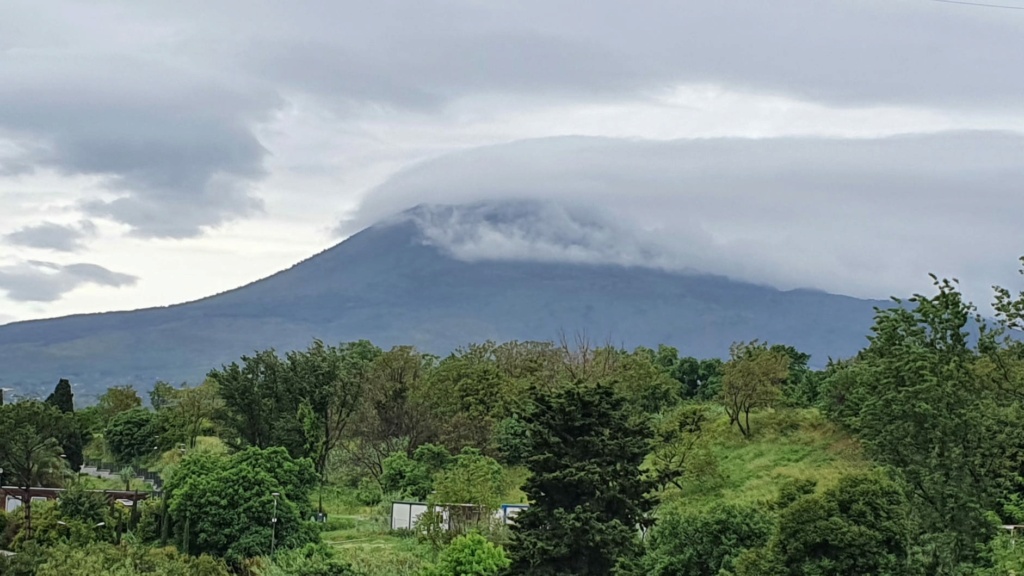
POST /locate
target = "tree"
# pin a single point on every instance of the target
(588, 495)
(863, 525)
(63, 399)
(472, 479)
(394, 414)
(642, 382)
(916, 400)
(225, 506)
(251, 392)
(29, 446)
(132, 434)
(751, 379)
(162, 395)
(329, 382)
(679, 444)
(469, 394)
(705, 541)
(118, 399)
(193, 408)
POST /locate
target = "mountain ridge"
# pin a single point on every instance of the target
(389, 285)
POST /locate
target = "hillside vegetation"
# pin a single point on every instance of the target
(903, 460)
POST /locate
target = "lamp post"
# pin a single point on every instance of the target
(273, 524)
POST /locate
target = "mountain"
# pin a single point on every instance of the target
(390, 285)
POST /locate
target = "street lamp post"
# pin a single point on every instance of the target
(273, 524)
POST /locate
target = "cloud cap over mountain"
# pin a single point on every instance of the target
(862, 217)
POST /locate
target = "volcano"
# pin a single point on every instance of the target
(391, 285)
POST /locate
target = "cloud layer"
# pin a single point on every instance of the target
(862, 217)
(37, 281)
(53, 236)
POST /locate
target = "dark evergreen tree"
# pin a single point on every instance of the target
(588, 497)
(63, 399)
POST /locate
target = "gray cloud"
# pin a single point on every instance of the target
(38, 281)
(861, 217)
(163, 100)
(425, 53)
(52, 236)
(176, 145)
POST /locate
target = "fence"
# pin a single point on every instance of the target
(405, 515)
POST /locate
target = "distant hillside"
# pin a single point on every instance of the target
(385, 284)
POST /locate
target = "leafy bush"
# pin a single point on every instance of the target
(369, 492)
(701, 542)
(469, 555)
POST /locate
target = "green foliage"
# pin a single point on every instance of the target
(72, 440)
(469, 555)
(915, 398)
(406, 476)
(109, 560)
(680, 448)
(162, 395)
(395, 414)
(644, 384)
(132, 434)
(704, 541)
(863, 525)
(752, 379)
(225, 506)
(117, 399)
(475, 484)
(369, 492)
(587, 491)
(469, 393)
(309, 560)
(511, 441)
(86, 507)
(62, 398)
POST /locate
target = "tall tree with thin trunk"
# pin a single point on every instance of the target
(30, 449)
(751, 379)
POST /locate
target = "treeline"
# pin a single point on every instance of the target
(605, 445)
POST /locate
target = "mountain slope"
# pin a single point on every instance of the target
(385, 284)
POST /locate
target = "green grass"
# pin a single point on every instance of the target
(784, 445)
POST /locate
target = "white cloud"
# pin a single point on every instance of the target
(864, 217)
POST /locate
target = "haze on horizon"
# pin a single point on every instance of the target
(152, 153)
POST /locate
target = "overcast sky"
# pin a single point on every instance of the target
(156, 152)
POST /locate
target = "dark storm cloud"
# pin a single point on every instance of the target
(52, 236)
(36, 281)
(864, 217)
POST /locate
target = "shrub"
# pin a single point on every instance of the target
(701, 542)
(469, 555)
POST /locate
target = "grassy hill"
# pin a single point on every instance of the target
(786, 444)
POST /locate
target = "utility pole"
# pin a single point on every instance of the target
(273, 525)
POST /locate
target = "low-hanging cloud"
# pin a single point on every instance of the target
(863, 217)
(39, 281)
(53, 236)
